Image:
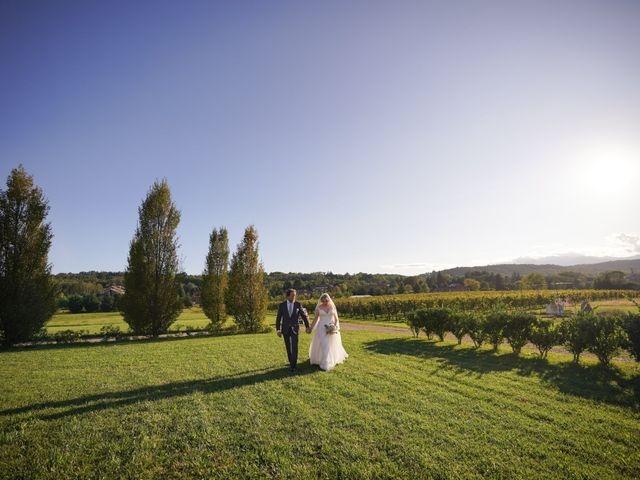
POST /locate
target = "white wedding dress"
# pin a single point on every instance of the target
(326, 349)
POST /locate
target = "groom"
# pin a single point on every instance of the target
(287, 318)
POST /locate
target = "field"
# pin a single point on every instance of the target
(226, 407)
(93, 322)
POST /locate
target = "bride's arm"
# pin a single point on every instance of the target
(337, 320)
(315, 320)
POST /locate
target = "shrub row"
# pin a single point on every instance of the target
(604, 336)
(108, 331)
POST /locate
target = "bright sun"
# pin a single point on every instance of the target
(611, 169)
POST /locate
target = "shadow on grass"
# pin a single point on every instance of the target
(596, 382)
(103, 401)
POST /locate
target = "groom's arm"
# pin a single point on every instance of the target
(304, 317)
(279, 318)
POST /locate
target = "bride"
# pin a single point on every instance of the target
(326, 348)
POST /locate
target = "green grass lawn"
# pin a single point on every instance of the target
(620, 306)
(93, 322)
(226, 407)
(193, 317)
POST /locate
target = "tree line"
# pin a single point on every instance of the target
(154, 294)
(487, 281)
(310, 285)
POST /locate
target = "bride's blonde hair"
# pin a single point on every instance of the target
(333, 305)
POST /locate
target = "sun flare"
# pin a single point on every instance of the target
(611, 169)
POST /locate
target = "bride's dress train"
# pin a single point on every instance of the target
(326, 349)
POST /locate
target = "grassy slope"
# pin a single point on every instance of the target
(226, 407)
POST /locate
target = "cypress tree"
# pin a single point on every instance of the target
(27, 291)
(215, 279)
(151, 302)
(247, 292)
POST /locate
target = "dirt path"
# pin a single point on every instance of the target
(344, 325)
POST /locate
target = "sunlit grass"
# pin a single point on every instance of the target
(227, 407)
(93, 322)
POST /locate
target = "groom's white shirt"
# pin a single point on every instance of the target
(290, 307)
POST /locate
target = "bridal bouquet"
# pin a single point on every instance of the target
(331, 328)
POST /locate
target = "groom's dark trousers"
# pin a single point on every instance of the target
(290, 328)
(291, 342)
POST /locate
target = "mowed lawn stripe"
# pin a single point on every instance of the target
(481, 403)
(227, 407)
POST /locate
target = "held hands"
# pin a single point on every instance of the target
(308, 330)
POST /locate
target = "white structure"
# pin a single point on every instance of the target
(555, 309)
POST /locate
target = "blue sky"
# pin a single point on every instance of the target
(369, 136)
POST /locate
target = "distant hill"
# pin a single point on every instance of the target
(522, 269)
(568, 259)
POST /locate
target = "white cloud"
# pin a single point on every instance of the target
(615, 246)
(629, 241)
(414, 268)
(408, 265)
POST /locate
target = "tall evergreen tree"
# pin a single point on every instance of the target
(151, 302)
(215, 278)
(247, 292)
(27, 291)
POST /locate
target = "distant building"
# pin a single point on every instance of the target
(113, 290)
(555, 308)
(303, 292)
(195, 297)
(322, 288)
(456, 287)
(360, 296)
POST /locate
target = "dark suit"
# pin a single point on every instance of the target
(291, 328)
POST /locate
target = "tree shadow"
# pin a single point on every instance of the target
(597, 382)
(104, 401)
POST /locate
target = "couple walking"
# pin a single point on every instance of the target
(326, 346)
